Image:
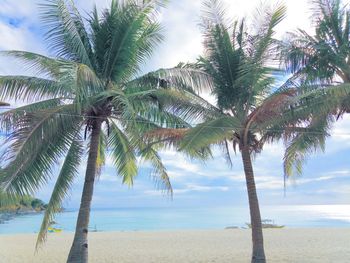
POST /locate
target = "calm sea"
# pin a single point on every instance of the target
(131, 219)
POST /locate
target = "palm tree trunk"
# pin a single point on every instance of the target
(79, 249)
(255, 217)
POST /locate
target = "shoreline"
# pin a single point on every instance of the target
(7, 215)
(290, 245)
(71, 232)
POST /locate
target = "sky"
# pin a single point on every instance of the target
(326, 175)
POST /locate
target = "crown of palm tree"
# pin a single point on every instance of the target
(243, 68)
(252, 108)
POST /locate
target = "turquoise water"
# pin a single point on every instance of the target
(131, 219)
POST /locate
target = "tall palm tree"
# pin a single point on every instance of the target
(91, 89)
(251, 108)
(238, 64)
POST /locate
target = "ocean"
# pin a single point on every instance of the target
(154, 219)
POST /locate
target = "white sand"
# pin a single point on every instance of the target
(282, 245)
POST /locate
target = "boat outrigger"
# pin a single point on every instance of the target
(267, 223)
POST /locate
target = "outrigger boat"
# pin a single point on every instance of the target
(267, 223)
(54, 230)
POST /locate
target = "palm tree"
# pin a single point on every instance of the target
(238, 65)
(251, 109)
(321, 60)
(91, 89)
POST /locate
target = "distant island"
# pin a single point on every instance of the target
(19, 206)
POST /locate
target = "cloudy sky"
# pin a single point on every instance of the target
(326, 176)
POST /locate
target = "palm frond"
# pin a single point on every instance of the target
(171, 136)
(304, 143)
(40, 65)
(263, 41)
(68, 172)
(187, 106)
(10, 118)
(182, 77)
(159, 173)
(35, 145)
(123, 154)
(213, 13)
(124, 37)
(210, 132)
(31, 88)
(66, 33)
(101, 154)
(273, 106)
(324, 56)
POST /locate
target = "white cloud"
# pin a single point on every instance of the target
(19, 35)
(277, 182)
(15, 37)
(340, 136)
(25, 9)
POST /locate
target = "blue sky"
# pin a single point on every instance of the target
(326, 176)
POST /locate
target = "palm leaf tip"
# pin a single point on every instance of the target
(159, 173)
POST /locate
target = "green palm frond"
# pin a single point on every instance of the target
(324, 56)
(159, 173)
(66, 32)
(123, 154)
(222, 64)
(35, 145)
(65, 78)
(31, 88)
(125, 36)
(183, 77)
(9, 119)
(306, 142)
(214, 13)
(162, 118)
(39, 64)
(210, 132)
(63, 184)
(187, 106)
(240, 63)
(263, 42)
(102, 148)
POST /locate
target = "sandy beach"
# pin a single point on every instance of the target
(282, 245)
